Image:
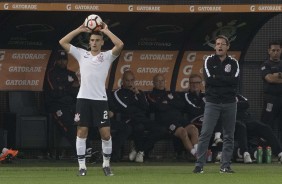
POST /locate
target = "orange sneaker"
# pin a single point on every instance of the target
(11, 152)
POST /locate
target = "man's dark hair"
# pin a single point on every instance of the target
(97, 33)
(223, 37)
(273, 43)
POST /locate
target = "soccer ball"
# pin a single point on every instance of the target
(93, 22)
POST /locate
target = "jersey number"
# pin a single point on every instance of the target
(105, 114)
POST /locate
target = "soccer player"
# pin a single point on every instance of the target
(92, 107)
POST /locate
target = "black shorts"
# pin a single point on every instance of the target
(91, 113)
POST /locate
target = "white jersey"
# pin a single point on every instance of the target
(94, 71)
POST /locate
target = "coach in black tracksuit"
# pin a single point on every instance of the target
(272, 78)
(246, 128)
(221, 73)
(61, 89)
(133, 106)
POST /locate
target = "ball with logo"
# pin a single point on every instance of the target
(93, 22)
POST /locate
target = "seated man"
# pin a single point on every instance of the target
(246, 127)
(168, 113)
(133, 107)
(120, 130)
(194, 100)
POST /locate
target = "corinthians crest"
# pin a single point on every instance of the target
(229, 30)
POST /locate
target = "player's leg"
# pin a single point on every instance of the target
(106, 149)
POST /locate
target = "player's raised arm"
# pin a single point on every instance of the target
(65, 41)
(116, 41)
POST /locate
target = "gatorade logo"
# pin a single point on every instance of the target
(6, 6)
(253, 8)
(130, 8)
(128, 56)
(192, 8)
(191, 57)
(2, 55)
(68, 6)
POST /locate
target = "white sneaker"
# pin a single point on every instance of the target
(132, 155)
(140, 157)
(247, 158)
(217, 142)
(218, 156)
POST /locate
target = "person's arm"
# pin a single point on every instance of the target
(216, 78)
(274, 78)
(65, 41)
(118, 44)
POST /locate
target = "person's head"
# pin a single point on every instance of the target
(195, 83)
(128, 80)
(221, 45)
(159, 81)
(274, 51)
(96, 41)
(61, 59)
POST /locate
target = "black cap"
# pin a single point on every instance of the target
(61, 55)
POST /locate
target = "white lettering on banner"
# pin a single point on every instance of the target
(143, 83)
(25, 6)
(6, 6)
(153, 70)
(187, 70)
(209, 8)
(128, 56)
(22, 82)
(86, 7)
(192, 8)
(191, 57)
(130, 7)
(156, 56)
(68, 6)
(28, 56)
(184, 83)
(269, 8)
(124, 68)
(2, 55)
(253, 8)
(148, 8)
(201, 70)
(24, 69)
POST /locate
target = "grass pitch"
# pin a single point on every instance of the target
(133, 173)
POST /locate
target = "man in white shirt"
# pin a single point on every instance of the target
(92, 107)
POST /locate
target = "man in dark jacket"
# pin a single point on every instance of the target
(133, 107)
(271, 71)
(168, 108)
(221, 73)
